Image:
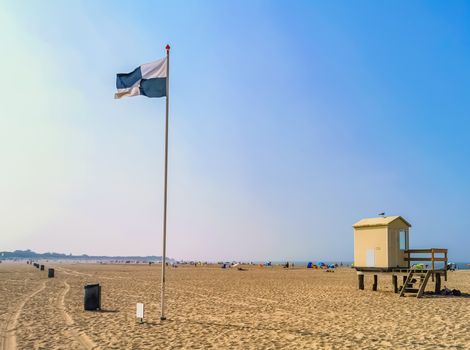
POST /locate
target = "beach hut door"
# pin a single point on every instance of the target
(370, 258)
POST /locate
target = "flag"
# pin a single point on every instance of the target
(148, 80)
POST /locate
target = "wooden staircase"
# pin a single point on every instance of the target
(415, 283)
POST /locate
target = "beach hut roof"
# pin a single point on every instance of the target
(380, 221)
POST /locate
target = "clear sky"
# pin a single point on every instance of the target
(289, 121)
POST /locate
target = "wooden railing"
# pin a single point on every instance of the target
(428, 255)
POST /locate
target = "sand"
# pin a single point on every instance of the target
(212, 308)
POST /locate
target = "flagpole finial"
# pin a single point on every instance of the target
(167, 47)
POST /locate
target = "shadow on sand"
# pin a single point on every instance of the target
(103, 311)
(441, 296)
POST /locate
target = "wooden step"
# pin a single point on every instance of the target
(406, 285)
(415, 283)
(422, 286)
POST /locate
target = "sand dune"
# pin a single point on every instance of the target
(223, 309)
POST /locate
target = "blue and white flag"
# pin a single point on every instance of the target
(148, 80)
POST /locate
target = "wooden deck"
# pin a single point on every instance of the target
(431, 255)
(412, 286)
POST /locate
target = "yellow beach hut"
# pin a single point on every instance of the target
(380, 243)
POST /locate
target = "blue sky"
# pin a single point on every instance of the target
(289, 121)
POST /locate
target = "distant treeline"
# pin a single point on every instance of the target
(29, 254)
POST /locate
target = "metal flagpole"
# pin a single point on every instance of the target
(162, 316)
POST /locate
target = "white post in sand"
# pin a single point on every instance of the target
(139, 312)
(162, 316)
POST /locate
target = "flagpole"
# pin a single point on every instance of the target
(162, 316)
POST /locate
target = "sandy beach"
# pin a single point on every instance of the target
(208, 307)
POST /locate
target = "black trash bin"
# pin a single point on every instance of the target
(42, 267)
(92, 297)
(50, 273)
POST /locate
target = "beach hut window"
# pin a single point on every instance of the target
(402, 239)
